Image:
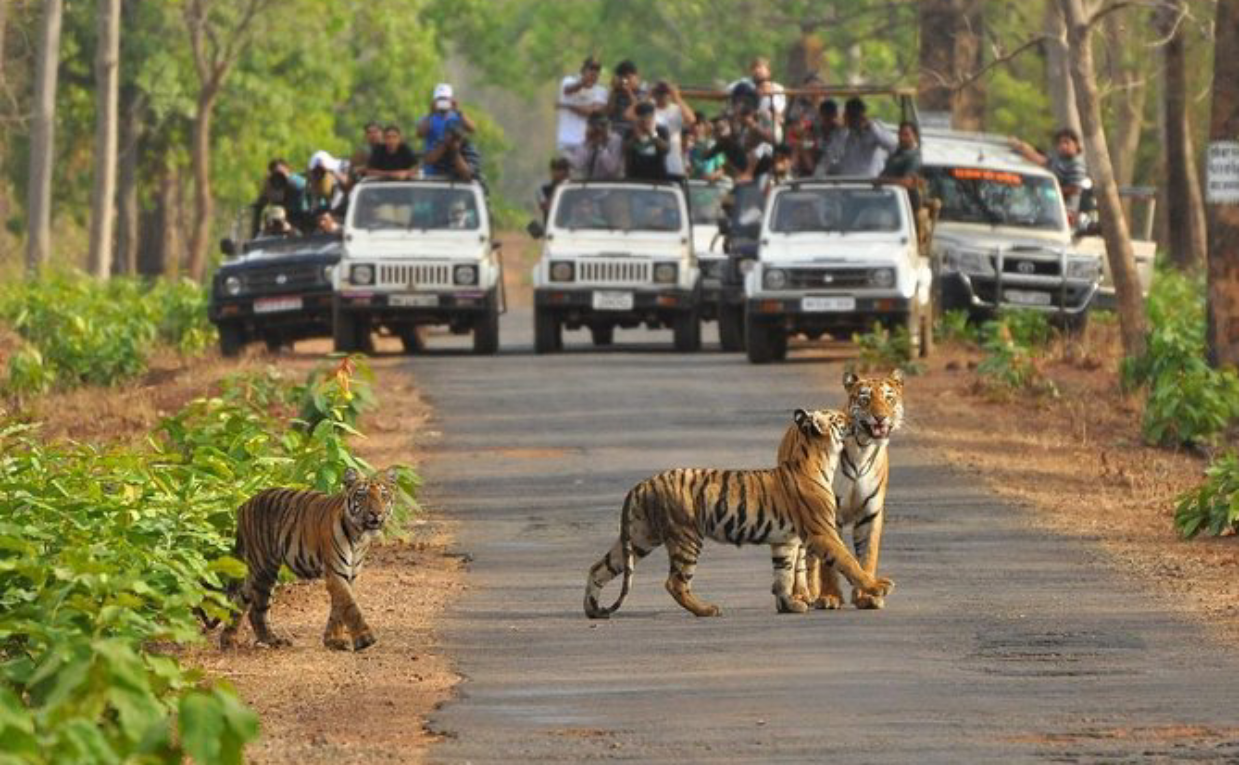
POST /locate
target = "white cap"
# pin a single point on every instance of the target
(443, 90)
(324, 160)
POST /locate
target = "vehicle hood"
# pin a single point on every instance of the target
(835, 249)
(703, 237)
(385, 244)
(634, 244)
(980, 236)
(254, 260)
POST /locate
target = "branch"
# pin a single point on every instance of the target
(1016, 52)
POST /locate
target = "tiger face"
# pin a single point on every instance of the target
(875, 404)
(823, 424)
(369, 499)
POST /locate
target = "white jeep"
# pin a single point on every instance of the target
(616, 254)
(834, 257)
(418, 253)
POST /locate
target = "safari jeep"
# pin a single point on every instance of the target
(836, 256)
(705, 204)
(616, 254)
(274, 289)
(1002, 238)
(418, 253)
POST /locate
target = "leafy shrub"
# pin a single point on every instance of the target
(1188, 401)
(1012, 344)
(886, 349)
(87, 332)
(1214, 505)
(105, 555)
(955, 326)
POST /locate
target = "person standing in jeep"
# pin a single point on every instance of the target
(646, 146)
(580, 97)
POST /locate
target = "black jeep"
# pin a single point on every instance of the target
(276, 289)
(741, 228)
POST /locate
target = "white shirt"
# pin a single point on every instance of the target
(571, 131)
(774, 105)
(672, 118)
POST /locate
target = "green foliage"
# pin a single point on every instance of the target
(1189, 402)
(881, 348)
(85, 332)
(1214, 505)
(105, 555)
(1013, 344)
(955, 326)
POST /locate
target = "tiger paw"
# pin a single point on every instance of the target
(879, 588)
(791, 605)
(867, 602)
(709, 611)
(336, 643)
(274, 641)
(829, 603)
(364, 641)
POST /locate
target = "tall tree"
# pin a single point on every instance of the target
(107, 96)
(1185, 206)
(1080, 22)
(950, 51)
(219, 31)
(42, 138)
(1223, 330)
(1058, 69)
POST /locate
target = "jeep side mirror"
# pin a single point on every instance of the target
(535, 229)
(228, 247)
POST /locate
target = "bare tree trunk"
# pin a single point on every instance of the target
(1118, 237)
(936, 62)
(1127, 84)
(128, 215)
(107, 97)
(1184, 205)
(805, 57)
(204, 204)
(968, 102)
(42, 139)
(1058, 70)
(1223, 328)
(169, 235)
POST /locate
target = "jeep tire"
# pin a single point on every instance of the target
(731, 327)
(231, 338)
(603, 335)
(548, 334)
(687, 332)
(486, 331)
(764, 341)
(350, 331)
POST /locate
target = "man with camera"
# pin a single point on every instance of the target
(454, 157)
(579, 99)
(601, 157)
(646, 146)
(445, 119)
(285, 189)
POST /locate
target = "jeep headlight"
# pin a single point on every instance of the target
(232, 285)
(882, 278)
(1088, 269)
(968, 262)
(665, 273)
(466, 275)
(563, 271)
(775, 279)
(362, 274)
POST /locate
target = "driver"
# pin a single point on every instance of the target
(584, 213)
(802, 217)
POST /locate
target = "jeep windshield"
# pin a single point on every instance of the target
(999, 198)
(618, 209)
(380, 207)
(706, 203)
(836, 211)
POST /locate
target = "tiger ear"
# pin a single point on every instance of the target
(351, 476)
(806, 422)
(849, 380)
(897, 377)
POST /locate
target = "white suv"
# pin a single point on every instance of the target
(418, 253)
(616, 254)
(836, 256)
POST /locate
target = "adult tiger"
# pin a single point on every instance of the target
(315, 535)
(778, 507)
(875, 406)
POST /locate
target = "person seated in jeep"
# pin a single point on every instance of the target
(583, 212)
(276, 223)
(601, 157)
(284, 189)
(1067, 164)
(455, 157)
(646, 146)
(865, 143)
(391, 160)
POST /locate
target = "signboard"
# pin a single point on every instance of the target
(1222, 173)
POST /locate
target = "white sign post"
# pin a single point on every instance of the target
(1222, 173)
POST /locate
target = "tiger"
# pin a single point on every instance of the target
(875, 408)
(778, 507)
(315, 535)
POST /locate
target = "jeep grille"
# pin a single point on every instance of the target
(617, 271)
(415, 274)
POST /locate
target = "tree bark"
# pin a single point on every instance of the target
(42, 139)
(805, 57)
(1223, 299)
(968, 102)
(107, 97)
(1117, 235)
(204, 204)
(1127, 97)
(1058, 71)
(128, 215)
(1186, 228)
(950, 50)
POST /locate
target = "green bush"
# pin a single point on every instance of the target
(955, 326)
(1012, 345)
(107, 555)
(1189, 402)
(87, 332)
(1214, 505)
(885, 349)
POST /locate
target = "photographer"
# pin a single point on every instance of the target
(646, 147)
(626, 90)
(580, 98)
(445, 117)
(282, 188)
(454, 157)
(601, 157)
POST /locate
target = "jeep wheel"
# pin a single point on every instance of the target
(548, 335)
(350, 332)
(231, 339)
(763, 341)
(687, 331)
(486, 332)
(412, 339)
(602, 335)
(731, 328)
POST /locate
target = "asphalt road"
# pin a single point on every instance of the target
(1000, 642)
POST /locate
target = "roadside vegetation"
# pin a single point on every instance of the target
(107, 554)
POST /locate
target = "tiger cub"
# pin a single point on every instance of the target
(315, 535)
(875, 407)
(778, 507)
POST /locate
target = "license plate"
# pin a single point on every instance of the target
(613, 301)
(1025, 297)
(277, 304)
(818, 304)
(413, 301)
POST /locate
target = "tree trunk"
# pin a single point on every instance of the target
(1127, 98)
(128, 214)
(204, 205)
(42, 139)
(107, 96)
(1118, 237)
(1057, 70)
(1223, 328)
(805, 57)
(968, 102)
(936, 60)
(1184, 205)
